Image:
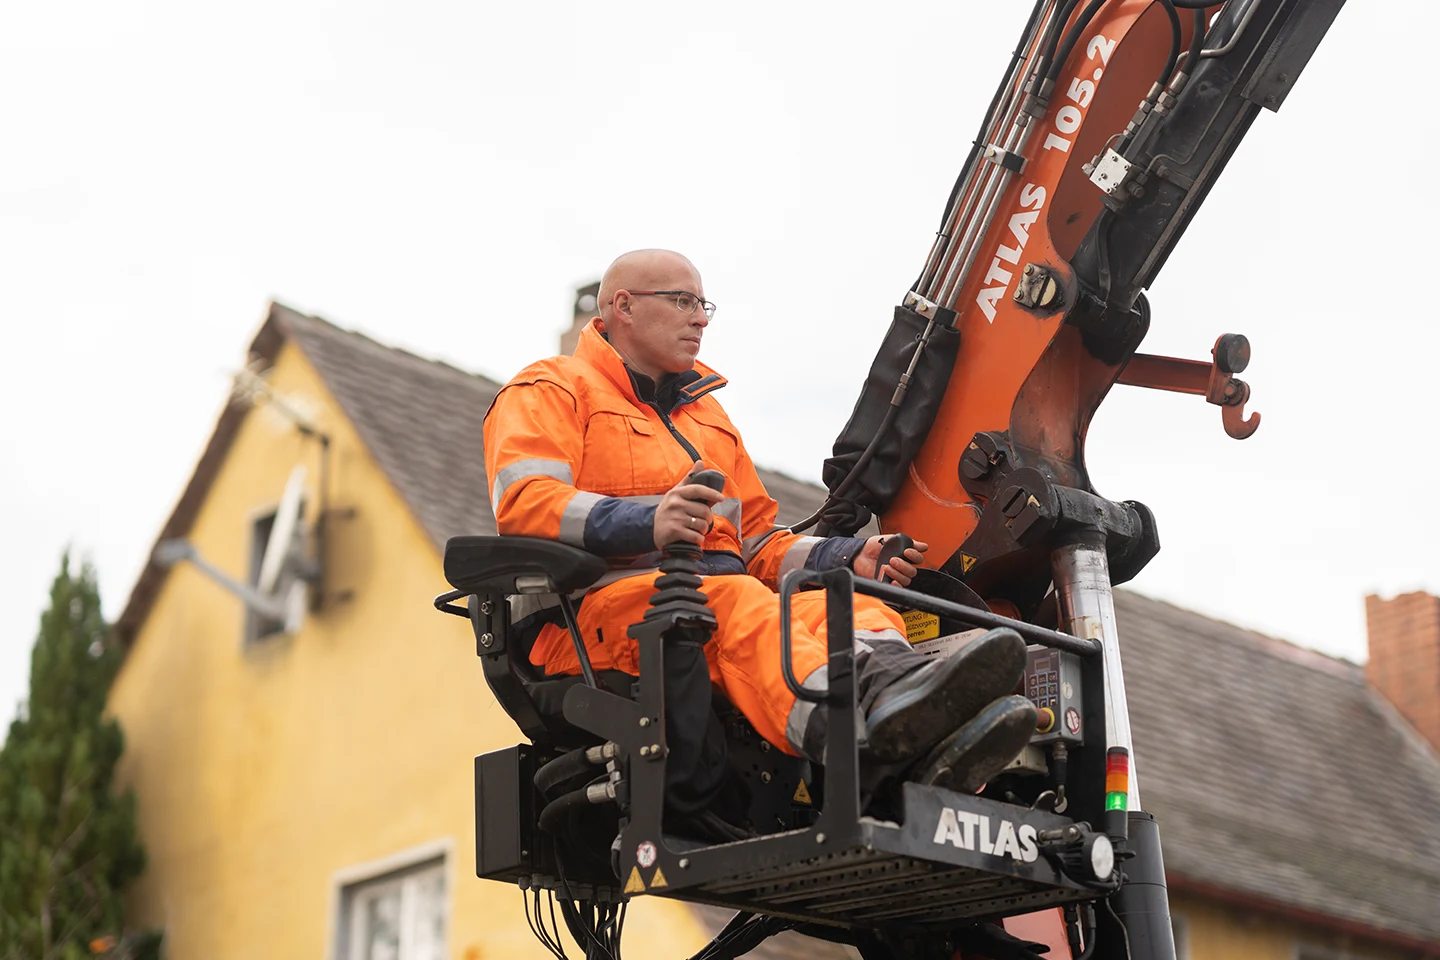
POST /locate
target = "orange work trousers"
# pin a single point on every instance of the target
(744, 652)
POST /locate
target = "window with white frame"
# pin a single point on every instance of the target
(397, 916)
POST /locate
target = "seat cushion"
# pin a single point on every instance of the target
(549, 695)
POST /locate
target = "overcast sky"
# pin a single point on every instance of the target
(441, 175)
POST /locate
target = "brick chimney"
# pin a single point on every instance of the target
(1404, 660)
(585, 308)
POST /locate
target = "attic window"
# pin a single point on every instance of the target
(257, 626)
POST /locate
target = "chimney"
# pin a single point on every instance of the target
(1404, 660)
(586, 306)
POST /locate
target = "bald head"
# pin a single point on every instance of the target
(654, 335)
(646, 270)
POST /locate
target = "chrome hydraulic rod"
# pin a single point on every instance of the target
(999, 178)
(1087, 609)
(941, 252)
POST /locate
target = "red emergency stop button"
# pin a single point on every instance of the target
(1046, 720)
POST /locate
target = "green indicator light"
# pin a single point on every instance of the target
(1115, 801)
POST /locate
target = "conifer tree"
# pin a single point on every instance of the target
(68, 843)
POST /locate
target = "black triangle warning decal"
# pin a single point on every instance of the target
(966, 562)
(801, 794)
(634, 884)
(658, 880)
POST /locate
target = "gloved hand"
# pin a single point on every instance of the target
(899, 570)
(991, 942)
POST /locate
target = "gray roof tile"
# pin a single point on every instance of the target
(421, 420)
(1278, 772)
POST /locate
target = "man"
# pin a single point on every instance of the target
(596, 450)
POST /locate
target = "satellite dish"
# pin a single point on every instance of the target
(295, 603)
(282, 532)
(281, 591)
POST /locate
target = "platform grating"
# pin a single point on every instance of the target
(864, 887)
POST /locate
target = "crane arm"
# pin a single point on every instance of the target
(1104, 137)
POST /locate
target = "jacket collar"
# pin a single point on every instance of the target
(639, 389)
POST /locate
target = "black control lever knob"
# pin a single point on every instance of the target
(894, 547)
(713, 479)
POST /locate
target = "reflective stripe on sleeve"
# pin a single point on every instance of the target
(572, 520)
(730, 510)
(796, 556)
(521, 469)
(751, 545)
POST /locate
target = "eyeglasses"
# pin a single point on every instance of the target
(684, 299)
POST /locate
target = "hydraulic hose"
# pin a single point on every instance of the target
(968, 168)
(572, 764)
(1175, 37)
(556, 812)
(865, 457)
(1197, 42)
(1071, 38)
(1052, 39)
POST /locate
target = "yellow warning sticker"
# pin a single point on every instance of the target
(920, 625)
(658, 880)
(635, 884)
(801, 794)
(966, 562)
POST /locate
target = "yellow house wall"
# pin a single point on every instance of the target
(265, 773)
(1214, 931)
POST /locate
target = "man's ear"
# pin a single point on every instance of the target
(621, 304)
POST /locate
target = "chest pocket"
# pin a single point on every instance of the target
(712, 435)
(628, 455)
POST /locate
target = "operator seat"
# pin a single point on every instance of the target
(491, 570)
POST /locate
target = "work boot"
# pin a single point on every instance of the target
(967, 759)
(936, 696)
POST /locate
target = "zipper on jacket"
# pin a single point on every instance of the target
(669, 425)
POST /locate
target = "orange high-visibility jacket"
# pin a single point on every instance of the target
(576, 454)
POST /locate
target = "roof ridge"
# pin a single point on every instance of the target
(370, 343)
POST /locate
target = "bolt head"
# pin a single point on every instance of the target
(644, 751)
(819, 838)
(487, 640)
(765, 776)
(684, 862)
(486, 607)
(644, 721)
(1047, 294)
